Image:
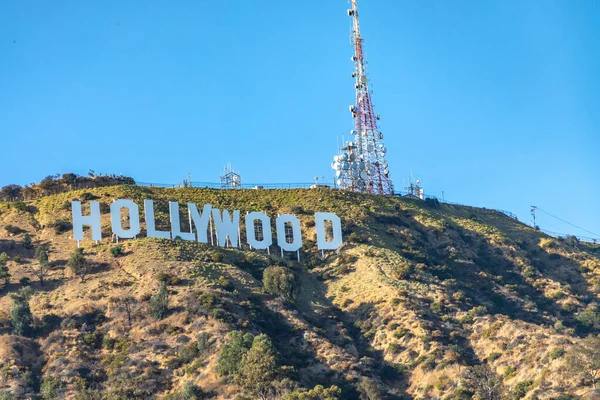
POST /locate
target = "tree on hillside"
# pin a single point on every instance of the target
(233, 351)
(49, 185)
(281, 281)
(4, 274)
(41, 253)
(11, 192)
(486, 384)
(259, 369)
(20, 313)
(78, 263)
(584, 360)
(160, 301)
(70, 179)
(370, 390)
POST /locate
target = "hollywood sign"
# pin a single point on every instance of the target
(226, 226)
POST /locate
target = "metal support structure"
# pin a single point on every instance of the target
(230, 179)
(361, 165)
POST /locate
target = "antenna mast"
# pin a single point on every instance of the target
(360, 165)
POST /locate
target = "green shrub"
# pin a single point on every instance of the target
(93, 339)
(557, 352)
(188, 392)
(225, 283)
(509, 371)
(168, 278)
(281, 281)
(369, 388)
(258, 369)
(60, 226)
(394, 348)
(588, 319)
(4, 273)
(216, 256)
(203, 343)
(78, 263)
(355, 238)
(521, 389)
(569, 306)
(400, 333)
(51, 388)
(230, 358)
(478, 311)
(116, 251)
(27, 242)
(160, 302)
(494, 356)
(20, 313)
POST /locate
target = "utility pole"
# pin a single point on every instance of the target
(533, 210)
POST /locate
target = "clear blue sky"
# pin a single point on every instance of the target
(496, 103)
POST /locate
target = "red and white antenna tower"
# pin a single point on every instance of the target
(361, 165)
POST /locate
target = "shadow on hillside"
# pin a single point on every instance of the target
(482, 270)
(340, 328)
(93, 267)
(504, 289)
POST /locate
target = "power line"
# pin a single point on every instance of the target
(567, 222)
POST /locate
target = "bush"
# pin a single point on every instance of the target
(370, 389)
(216, 256)
(569, 306)
(20, 313)
(258, 369)
(26, 242)
(168, 278)
(557, 353)
(529, 272)
(509, 371)
(51, 388)
(78, 264)
(233, 351)
(355, 238)
(521, 389)
(394, 348)
(281, 281)
(4, 273)
(60, 226)
(116, 251)
(203, 343)
(225, 283)
(189, 392)
(160, 302)
(403, 270)
(588, 319)
(25, 281)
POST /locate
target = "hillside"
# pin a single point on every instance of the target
(419, 293)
